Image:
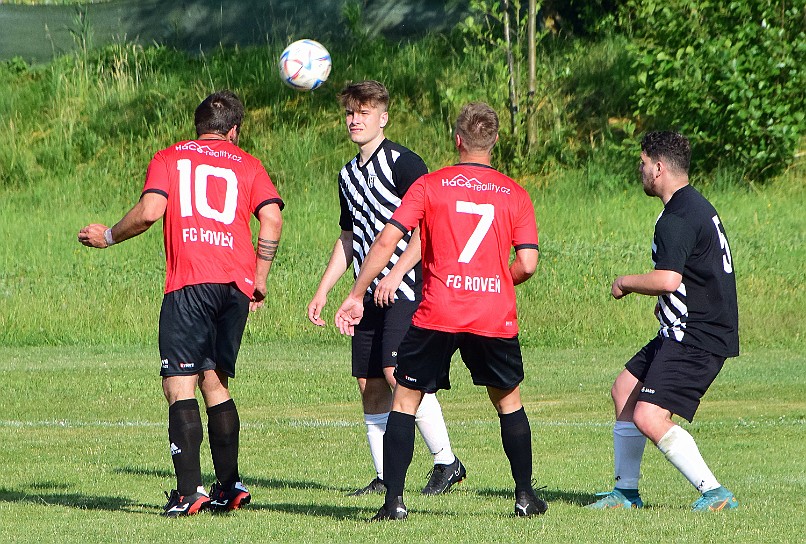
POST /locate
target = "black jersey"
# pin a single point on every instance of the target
(369, 194)
(690, 240)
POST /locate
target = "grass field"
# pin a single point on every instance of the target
(85, 457)
(82, 420)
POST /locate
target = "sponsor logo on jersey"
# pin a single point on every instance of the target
(474, 184)
(207, 150)
(371, 180)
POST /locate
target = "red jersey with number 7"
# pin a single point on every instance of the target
(213, 188)
(470, 217)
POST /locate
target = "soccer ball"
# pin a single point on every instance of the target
(305, 65)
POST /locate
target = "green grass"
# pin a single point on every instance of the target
(85, 453)
(86, 126)
(83, 419)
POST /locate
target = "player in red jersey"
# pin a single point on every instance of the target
(470, 217)
(206, 191)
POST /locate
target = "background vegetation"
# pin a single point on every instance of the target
(83, 431)
(85, 126)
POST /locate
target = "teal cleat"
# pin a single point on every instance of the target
(615, 499)
(715, 500)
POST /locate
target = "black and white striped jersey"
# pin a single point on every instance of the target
(690, 240)
(369, 194)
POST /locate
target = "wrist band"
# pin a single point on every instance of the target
(108, 237)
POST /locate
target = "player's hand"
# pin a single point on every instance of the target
(93, 236)
(617, 289)
(315, 308)
(384, 294)
(349, 315)
(258, 298)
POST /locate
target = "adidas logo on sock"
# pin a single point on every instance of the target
(175, 450)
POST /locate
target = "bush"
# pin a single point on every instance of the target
(730, 75)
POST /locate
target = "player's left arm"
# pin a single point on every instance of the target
(387, 287)
(524, 240)
(524, 264)
(352, 309)
(407, 170)
(148, 210)
(268, 240)
(654, 283)
(674, 240)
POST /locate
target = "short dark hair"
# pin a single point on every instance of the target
(477, 126)
(672, 147)
(364, 93)
(218, 113)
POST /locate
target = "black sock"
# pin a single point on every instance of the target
(398, 449)
(223, 428)
(185, 434)
(516, 436)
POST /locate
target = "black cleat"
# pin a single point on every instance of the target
(232, 498)
(394, 511)
(374, 487)
(185, 506)
(443, 477)
(528, 504)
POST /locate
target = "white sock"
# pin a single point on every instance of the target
(376, 426)
(680, 449)
(628, 449)
(432, 427)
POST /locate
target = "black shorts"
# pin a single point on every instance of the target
(674, 376)
(425, 359)
(378, 336)
(201, 328)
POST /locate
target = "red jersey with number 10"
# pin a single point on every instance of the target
(213, 187)
(470, 216)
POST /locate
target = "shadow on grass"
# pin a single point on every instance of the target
(267, 483)
(356, 513)
(549, 495)
(70, 500)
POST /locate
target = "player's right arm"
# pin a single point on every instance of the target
(340, 259)
(139, 219)
(351, 310)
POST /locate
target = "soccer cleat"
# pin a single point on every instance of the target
(528, 504)
(187, 505)
(225, 500)
(394, 511)
(443, 477)
(615, 499)
(375, 486)
(715, 500)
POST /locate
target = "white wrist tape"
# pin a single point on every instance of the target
(108, 237)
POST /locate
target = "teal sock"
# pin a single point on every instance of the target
(631, 494)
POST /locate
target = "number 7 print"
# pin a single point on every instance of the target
(487, 213)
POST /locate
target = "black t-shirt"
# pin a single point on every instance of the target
(690, 239)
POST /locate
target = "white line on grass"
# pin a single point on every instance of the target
(322, 423)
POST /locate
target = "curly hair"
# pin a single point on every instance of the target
(671, 147)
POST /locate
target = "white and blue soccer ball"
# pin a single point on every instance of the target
(305, 65)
